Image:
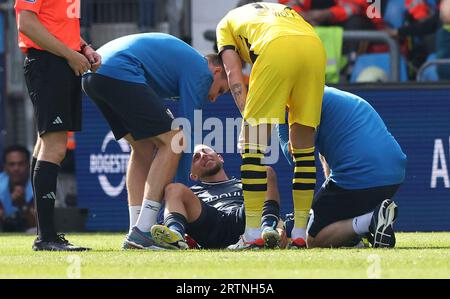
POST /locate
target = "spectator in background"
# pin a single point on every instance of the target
(443, 40)
(420, 20)
(445, 11)
(350, 14)
(176, 18)
(16, 194)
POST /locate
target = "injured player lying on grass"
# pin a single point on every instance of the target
(212, 212)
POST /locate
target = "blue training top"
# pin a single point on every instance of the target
(172, 68)
(355, 142)
(6, 201)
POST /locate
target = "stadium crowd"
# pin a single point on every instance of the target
(420, 27)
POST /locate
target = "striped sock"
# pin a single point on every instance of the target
(254, 184)
(176, 222)
(270, 214)
(303, 187)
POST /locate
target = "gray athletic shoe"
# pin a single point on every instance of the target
(138, 239)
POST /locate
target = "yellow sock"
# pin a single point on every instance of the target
(254, 184)
(303, 184)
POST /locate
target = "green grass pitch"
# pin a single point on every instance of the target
(417, 255)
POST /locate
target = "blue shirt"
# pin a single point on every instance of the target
(356, 144)
(172, 68)
(5, 195)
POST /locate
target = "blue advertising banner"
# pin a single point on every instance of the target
(418, 117)
(101, 165)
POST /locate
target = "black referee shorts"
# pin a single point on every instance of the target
(333, 203)
(129, 108)
(54, 90)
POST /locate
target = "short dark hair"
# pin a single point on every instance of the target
(16, 148)
(215, 59)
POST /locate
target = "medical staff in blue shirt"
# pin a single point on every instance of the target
(364, 167)
(138, 72)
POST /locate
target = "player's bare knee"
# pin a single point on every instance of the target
(53, 152)
(174, 191)
(170, 189)
(54, 142)
(59, 153)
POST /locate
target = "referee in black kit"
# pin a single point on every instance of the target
(56, 57)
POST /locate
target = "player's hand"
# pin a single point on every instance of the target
(93, 57)
(18, 195)
(79, 63)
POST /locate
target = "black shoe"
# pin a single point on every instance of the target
(381, 226)
(58, 244)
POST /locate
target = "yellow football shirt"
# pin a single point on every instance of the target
(249, 28)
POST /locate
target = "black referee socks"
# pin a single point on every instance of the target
(45, 176)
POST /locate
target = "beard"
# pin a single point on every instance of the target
(212, 171)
